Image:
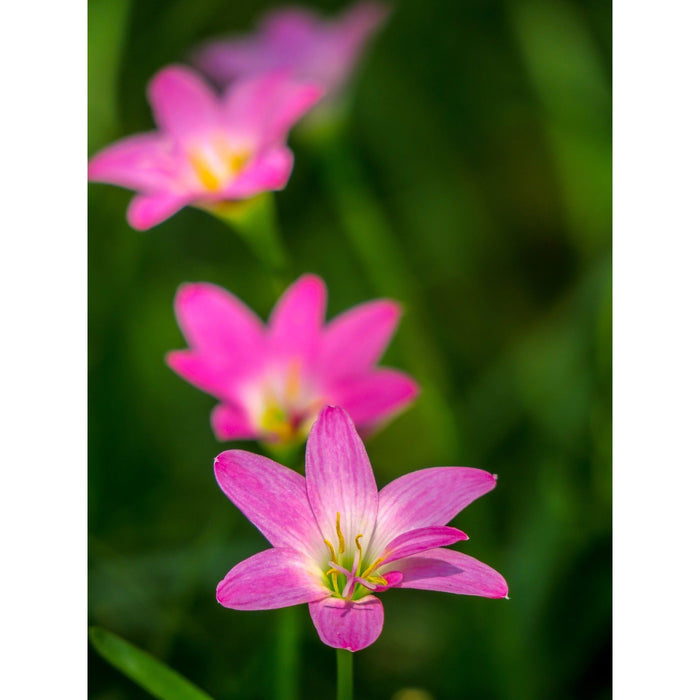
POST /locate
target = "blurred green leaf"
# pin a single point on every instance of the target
(152, 675)
(108, 20)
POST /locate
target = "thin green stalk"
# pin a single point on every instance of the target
(255, 220)
(344, 674)
(287, 655)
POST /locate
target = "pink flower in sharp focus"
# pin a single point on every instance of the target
(324, 51)
(336, 541)
(272, 381)
(207, 149)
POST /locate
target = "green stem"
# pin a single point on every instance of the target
(287, 655)
(255, 220)
(344, 674)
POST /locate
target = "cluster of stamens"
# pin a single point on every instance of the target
(286, 414)
(356, 575)
(215, 165)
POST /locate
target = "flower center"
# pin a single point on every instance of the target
(289, 407)
(359, 579)
(216, 163)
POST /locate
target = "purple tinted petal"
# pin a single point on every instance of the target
(183, 104)
(225, 60)
(421, 539)
(265, 108)
(296, 320)
(355, 340)
(351, 625)
(374, 396)
(291, 26)
(271, 496)
(427, 497)
(141, 162)
(450, 572)
(231, 422)
(148, 210)
(273, 578)
(220, 326)
(339, 477)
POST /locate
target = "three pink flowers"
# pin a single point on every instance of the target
(336, 540)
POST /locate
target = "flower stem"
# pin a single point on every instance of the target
(255, 220)
(287, 655)
(344, 674)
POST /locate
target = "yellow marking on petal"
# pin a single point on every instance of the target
(237, 161)
(217, 164)
(204, 171)
(293, 385)
(274, 420)
(341, 539)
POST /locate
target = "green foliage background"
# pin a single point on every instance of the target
(484, 130)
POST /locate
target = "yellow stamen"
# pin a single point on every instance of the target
(378, 578)
(359, 547)
(341, 539)
(332, 551)
(372, 567)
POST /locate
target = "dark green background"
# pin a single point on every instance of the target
(483, 128)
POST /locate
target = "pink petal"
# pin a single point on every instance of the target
(141, 162)
(450, 572)
(375, 396)
(297, 319)
(355, 340)
(271, 496)
(183, 104)
(231, 422)
(351, 625)
(266, 107)
(427, 497)
(339, 477)
(207, 373)
(273, 578)
(421, 539)
(392, 578)
(147, 210)
(221, 327)
(270, 171)
(358, 23)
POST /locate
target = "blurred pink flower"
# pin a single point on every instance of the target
(324, 51)
(207, 149)
(272, 381)
(336, 541)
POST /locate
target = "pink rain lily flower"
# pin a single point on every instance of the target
(324, 51)
(337, 542)
(272, 381)
(207, 149)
